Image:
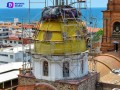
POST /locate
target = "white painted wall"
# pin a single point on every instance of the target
(5, 57)
(56, 70)
(4, 34)
(17, 53)
(17, 57)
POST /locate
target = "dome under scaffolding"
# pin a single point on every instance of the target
(60, 31)
(60, 56)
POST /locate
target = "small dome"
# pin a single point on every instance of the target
(105, 63)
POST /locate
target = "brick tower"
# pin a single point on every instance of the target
(111, 26)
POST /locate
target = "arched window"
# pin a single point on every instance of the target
(45, 68)
(116, 27)
(66, 69)
(116, 30)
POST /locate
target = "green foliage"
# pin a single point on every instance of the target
(97, 35)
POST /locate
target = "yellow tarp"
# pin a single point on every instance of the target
(50, 38)
(60, 48)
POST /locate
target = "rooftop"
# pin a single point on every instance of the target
(16, 49)
(93, 30)
(115, 54)
(111, 78)
(10, 66)
(77, 81)
(106, 65)
(9, 71)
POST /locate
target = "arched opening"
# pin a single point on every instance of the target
(45, 68)
(116, 35)
(116, 27)
(116, 30)
(65, 69)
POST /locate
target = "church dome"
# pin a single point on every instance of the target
(58, 37)
(106, 63)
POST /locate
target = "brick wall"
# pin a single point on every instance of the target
(88, 83)
(25, 80)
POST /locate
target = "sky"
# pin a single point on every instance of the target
(3, 3)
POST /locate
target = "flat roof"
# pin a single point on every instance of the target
(10, 66)
(9, 71)
(16, 49)
(8, 76)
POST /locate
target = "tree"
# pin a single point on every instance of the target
(97, 35)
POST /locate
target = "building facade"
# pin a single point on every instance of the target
(14, 54)
(111, 26)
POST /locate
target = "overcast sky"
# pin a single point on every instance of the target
(94, 3)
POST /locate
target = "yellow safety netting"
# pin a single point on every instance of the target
(50, 38)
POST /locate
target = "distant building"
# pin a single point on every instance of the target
(14, 54)
(4, 33)
(15, 41)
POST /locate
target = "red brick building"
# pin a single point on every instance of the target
(111, 25)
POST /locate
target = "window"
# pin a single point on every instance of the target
(45, 68)
(20, 42)
(116, 27)
(15, 42)
(4, 55)
(10, 41)
(66, 69)
(5, 41)
(11, 56)
(5, 29)
(47, 36)
(82, 66)
(24, 54)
